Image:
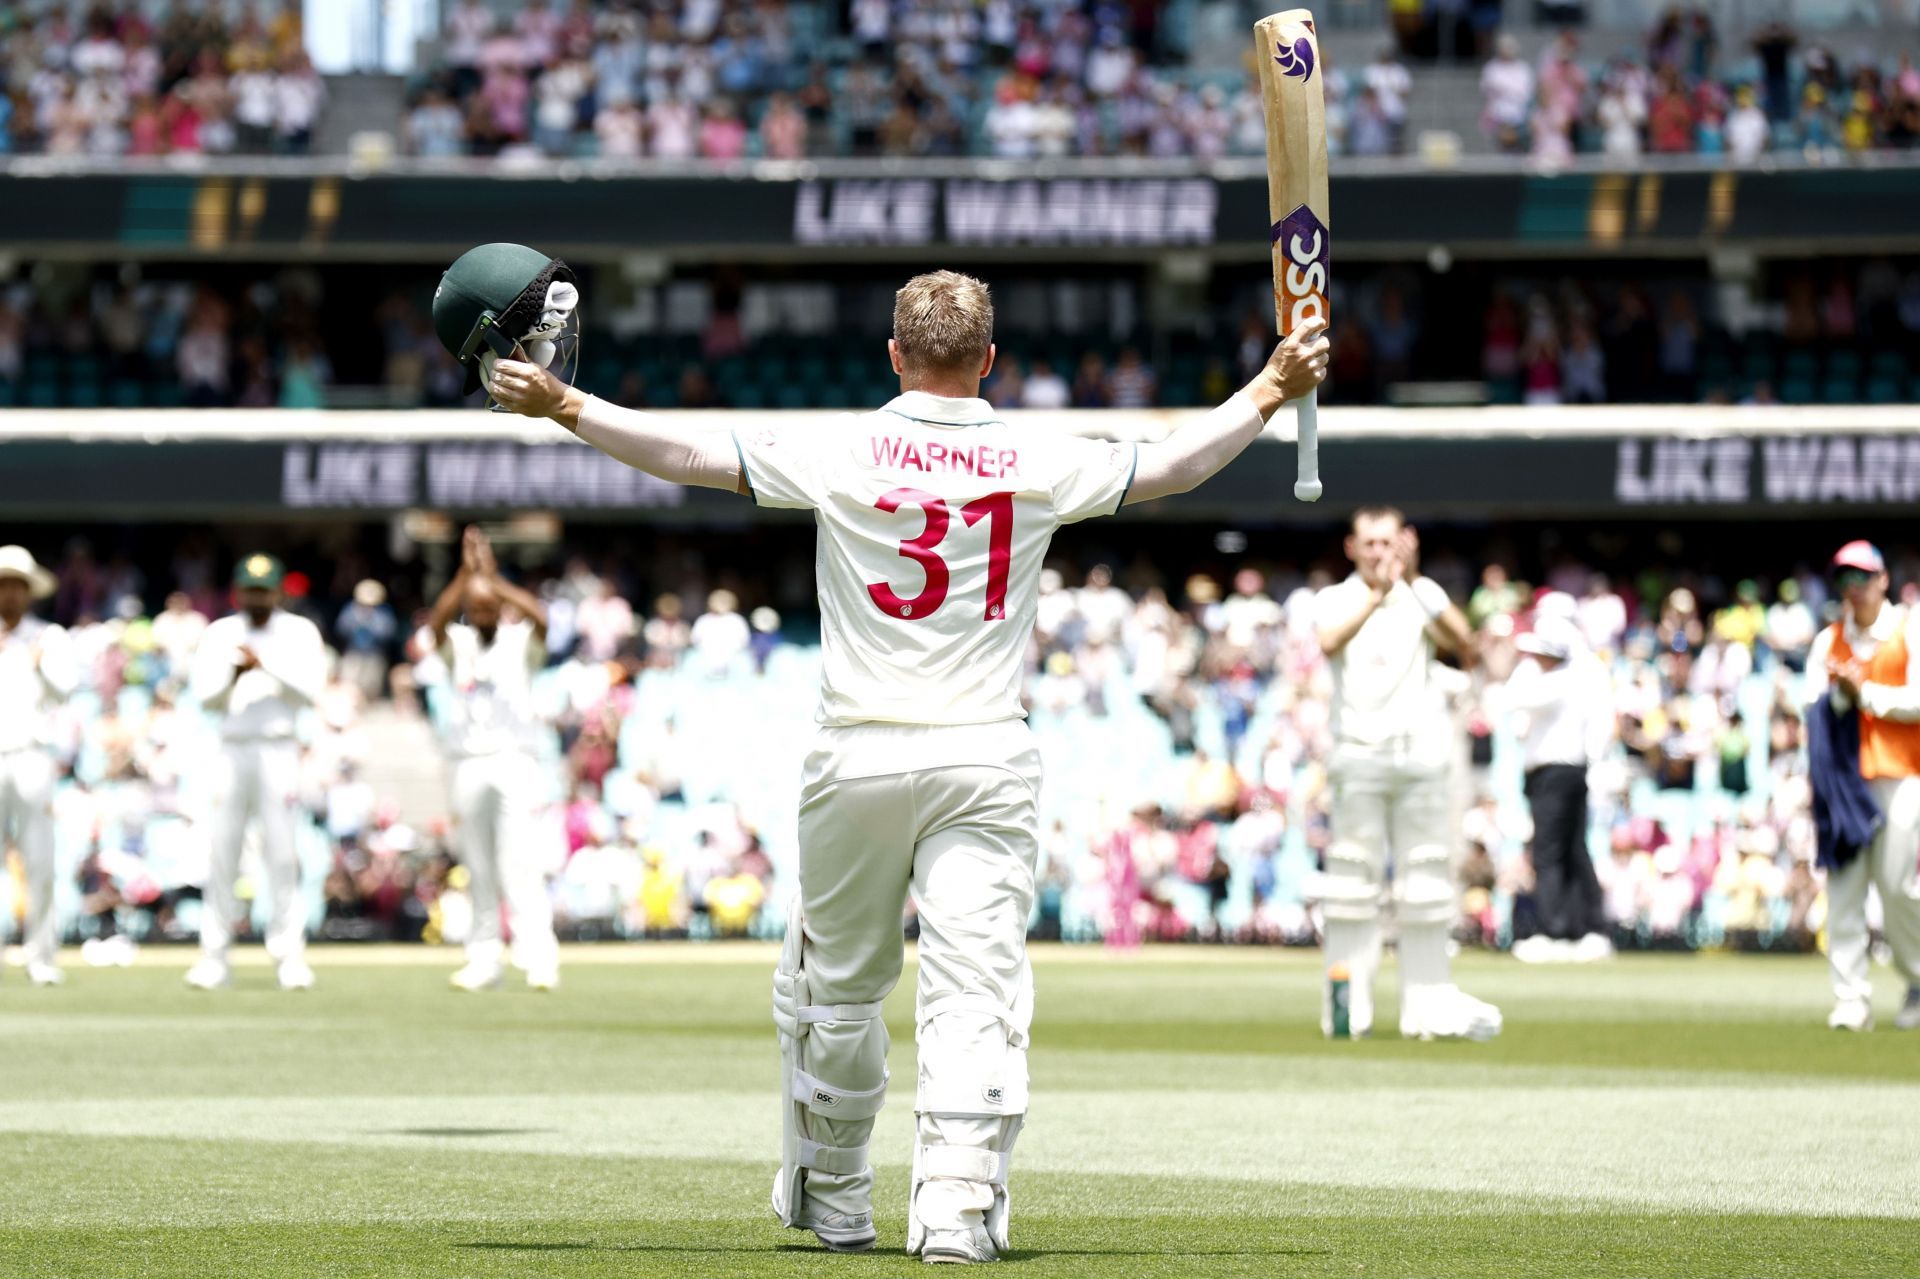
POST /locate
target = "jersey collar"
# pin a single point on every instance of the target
(941, 411)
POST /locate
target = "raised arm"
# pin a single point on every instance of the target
(1200, 450)
(447, 606)
(524, 601)
(645, 441)
(1337, 631)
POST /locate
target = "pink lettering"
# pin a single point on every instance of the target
(936, 454)
(1009, 462)
(985, 469)
(886, 450)
(910, 456)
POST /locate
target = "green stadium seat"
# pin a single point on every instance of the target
(1844, 364)
(834, 395)
(1840, 390)
(1890, 364)
(792, 395)
(1797, 390)
(83, 395)
(1883, 390)
(9, 395)
(744, 394)
(168, 395)
(1800, 364)
(126, 393)
(1504, 390)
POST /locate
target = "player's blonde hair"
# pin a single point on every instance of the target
(942, 321)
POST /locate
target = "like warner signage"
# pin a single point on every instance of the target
(1802, 470)
(1063, 211)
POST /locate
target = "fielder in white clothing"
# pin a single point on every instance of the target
(489, 729)
(257, 670)
(1392, 758)
(36, 673)
(933, 517)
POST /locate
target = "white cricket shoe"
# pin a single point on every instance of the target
(1593, 948)
(45, 975)
(210, 974)
(1909, 1016)
(1535, 949)
(116, 951)
(838, 1231)
(1851, 1014)
(545, 977)
(1446, 1012)
(295, 974)
(970, 1246)
(477, 977)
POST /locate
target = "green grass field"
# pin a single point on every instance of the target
(1683, 1116)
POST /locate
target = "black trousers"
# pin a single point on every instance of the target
(1566, 890)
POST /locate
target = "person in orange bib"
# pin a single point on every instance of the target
(1870, 659)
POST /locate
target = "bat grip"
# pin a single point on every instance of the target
(1307, 410)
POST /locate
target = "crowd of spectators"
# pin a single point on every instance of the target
(726, 79)
(133, 344)
(1846, 336)
(1686, 95)
(1847, 332)
(106, 81)
(1184, 722)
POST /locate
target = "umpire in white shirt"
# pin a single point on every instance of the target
(36, 672)
(257, 669)
(1562, 691)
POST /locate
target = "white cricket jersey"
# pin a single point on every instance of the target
(36, 673)
(1383, 688)
(489, 704)
(934, 516)
(262, 703)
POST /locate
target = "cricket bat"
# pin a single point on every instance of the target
(1288, 53)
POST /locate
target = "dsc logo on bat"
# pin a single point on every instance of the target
(1302, 286)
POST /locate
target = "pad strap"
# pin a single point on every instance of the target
(1016, 1033)
(837, 1103)
(838, 1012)
(840, 1160)
(964, 1163)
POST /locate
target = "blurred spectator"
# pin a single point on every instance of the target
(1044, 389)
(1130, 384)
(1506, 87)
(1389, 82)
(366, 630)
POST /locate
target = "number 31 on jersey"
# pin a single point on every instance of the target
(995, 508)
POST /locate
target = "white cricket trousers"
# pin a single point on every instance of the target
(950, 814)
(26, 814)
(1892, 864)
(495, 833)
(1388, 812)
(260, 782)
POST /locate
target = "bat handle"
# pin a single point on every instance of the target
(1307, 487)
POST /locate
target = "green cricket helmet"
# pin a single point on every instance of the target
(500, 296)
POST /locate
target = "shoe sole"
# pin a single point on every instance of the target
(863, 1244)
(952, 1259)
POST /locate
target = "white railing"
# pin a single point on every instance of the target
(164, 426)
